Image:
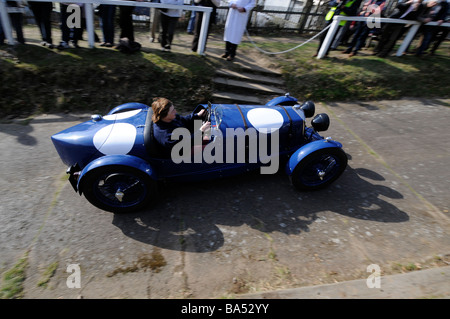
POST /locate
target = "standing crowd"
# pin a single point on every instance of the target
(389, 33)
(165, 22)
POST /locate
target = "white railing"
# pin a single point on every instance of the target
(405, 43)
(89, 15)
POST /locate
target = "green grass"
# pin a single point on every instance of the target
(48, 274)
(13, 279)
(362, 77)
(38, 80)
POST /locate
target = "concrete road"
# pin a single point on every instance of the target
(248, 234)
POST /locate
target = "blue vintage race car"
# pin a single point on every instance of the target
(114, 160)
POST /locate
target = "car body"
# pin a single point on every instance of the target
(113, 161)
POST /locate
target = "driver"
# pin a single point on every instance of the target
(166, 120)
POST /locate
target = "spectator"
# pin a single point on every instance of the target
(191, 23)
(107, 14)
(69, 34)
(16, 21)
(440, 35)
(155, 22)
(169, 19)
(433, 11)
(199, 18)
(77, 33)
(362, 30)
(235, 25)
(42, 14)
(335, 8)
(408, 10)
(348, 8)
(126, 22)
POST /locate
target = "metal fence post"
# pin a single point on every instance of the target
(329, 38)
(6, 22)
(408, 38)
(88, 10)
(203, 32)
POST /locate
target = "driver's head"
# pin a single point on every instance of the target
(163, 109)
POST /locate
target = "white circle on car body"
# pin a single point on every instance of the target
(121, 116)
(265, 120)
(115, 139)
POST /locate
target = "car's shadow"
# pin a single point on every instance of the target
(187, 217)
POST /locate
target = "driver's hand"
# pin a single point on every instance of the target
(205, 127)
(201, 113)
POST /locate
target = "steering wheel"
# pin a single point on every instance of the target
(207, 117)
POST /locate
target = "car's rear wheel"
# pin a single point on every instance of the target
(118, 189)
(319, 169)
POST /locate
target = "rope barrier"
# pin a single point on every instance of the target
(281, 52)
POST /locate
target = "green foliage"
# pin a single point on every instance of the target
(362, 77)
(13, 279)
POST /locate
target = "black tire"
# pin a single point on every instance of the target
(306, 177)
(118, 189)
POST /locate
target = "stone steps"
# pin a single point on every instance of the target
(238, 85)
(232, 98)
(251, 77)
(247, 83)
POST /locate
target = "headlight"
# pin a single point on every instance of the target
(320, 122)
(308, 108)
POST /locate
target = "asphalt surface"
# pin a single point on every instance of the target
(251, 236)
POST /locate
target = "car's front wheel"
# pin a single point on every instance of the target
(118, 189)
(319, 169)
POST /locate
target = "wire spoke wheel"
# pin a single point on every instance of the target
(319, 169)
(118, 189)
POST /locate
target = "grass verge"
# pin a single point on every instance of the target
(39, 80)
(13, 279)
(362, 77)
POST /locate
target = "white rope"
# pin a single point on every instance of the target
(281, 52)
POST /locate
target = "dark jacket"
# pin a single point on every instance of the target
(402, 8)
(436, 13)
(350, 7)
(162, 132)
(209, 3)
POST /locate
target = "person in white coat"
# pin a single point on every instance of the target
(235, 26)
(169, 19)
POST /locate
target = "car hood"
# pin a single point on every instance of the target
(262, 118)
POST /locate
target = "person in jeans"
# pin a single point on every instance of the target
(107, 13)
(391, 32)
(362, 29)
(42, 14)
(65, 30)
(434, 11)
